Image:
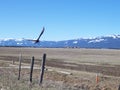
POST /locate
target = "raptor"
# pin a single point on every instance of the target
(38, 39)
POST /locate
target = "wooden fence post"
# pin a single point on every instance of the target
(31, 68)
(42, 69)
(119, 87)
(20, 59)
(13, 62)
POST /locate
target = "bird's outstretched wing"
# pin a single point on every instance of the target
(41, 33)
(37, 40)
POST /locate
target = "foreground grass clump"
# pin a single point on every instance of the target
(54, 81)
(8, 81)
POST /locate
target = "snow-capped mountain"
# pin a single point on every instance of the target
(111, 41)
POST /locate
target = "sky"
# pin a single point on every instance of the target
(62, 19)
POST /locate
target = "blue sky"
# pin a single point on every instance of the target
(62, 19)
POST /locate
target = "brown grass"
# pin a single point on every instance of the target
(84, 64)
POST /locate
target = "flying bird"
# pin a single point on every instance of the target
(38, 39)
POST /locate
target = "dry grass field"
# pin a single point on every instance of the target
(67, 69)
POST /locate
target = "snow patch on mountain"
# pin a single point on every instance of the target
(7, 39)
(96, 40)
(19, 40)
(75, 42)
(19, 43)
(113, 36)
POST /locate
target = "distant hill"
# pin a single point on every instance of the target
(112, 42)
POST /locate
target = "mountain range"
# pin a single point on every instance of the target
(111, 42)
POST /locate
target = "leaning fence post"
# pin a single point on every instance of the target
(20, 59)
(31, 68)
(42, 69)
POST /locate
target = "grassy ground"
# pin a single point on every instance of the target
(107, 56)
(83, 64)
